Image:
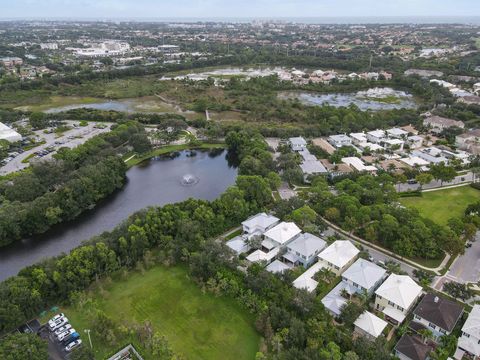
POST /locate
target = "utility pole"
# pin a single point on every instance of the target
(89, 338)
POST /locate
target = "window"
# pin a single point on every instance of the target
(466, 335)
(432, 325)
(391, 303)
(442, 331)
(417, 317)
(400, 308)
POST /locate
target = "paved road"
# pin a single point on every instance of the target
(86, 132)
(466, 268)
(464, 178)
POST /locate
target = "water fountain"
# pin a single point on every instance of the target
(189, 180)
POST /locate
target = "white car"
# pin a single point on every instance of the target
(73, 345)
(58, 324)
(62, 329)
(56, 317)
(65, 334)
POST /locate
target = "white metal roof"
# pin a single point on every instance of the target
(371, 324)
(259, 255)
(305, 281)
(297, 141)
(238, 245)
(400, 289)
(260, 220)
(472, 325)
(377, 133)
(9, 134)
(277, 267)
(334, 301)
(364, 273)
(283, 232)
(397, 132)
(307, 244)
(340, 253)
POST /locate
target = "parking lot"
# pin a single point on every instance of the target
(71, 138)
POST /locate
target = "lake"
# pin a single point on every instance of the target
(402, 101)
(158, 181)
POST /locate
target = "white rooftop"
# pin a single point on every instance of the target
(371, 146)
(397, 132)
(334, 301)
(339, 138)
(307, 244)
(238, 245)
(9, 134)
(377, 133)
(283, 232)
(358, 164)
(414, 161)
(313, 167)
(399, 289)
(371, 324)
(364, 273)
(306, 281)
(297, 141)
(340, 253)
(277, 267)
(471, 327)
(260, 220)
(359, 136)
(259, 255)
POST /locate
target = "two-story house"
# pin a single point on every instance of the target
(437, 314)
(396, 296)
(304, 249)
(297, 143)
(364, 276)
(338, 256)
(258, 224)
(339, 140)
(469, 342)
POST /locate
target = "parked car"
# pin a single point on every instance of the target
(65, 334)
(412, 182)
(468, 245)
(56, 317)
(63, 329)
(58, 324)
(73, 345)
(72, 337)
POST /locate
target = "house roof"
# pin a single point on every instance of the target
(283, 232)
(339, 138)
(371, 324)
(377, 133)
(413, 347)
(313, 167)
(472, 325)
(277, 267)
(307, 244)
(340, 253)
(238, 245)
(441, 121)
(259, 255)
(334, 301)
(399, 289)
(260, 220)
(306, 281)
(397, 132)
(439, 311)
(297, 141)
(364, 273)
(359, 136)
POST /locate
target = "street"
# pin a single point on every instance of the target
(466, 267)
(460, 179)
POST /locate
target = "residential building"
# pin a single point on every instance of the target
(277, 266)
(280, 235)
(394, 144)
(414, 141)
(258, 224)
(339, 140)
(304, 249)
(298, 143)
(335, 300)
(469, 141)
(376, 136)
(437, 314)
(9, 134)
(369, 325)
(338, 256)
(438, 123)
(11, 61)
(364, 276)
(470, 100)
(397, 133)
(358, 165)
(469, 342)
(396, 296)
(412, 348)
(306, 280)
(358, 138)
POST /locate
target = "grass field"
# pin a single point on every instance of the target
(197, 325)
(442, 205)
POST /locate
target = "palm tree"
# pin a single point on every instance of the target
(425, 334)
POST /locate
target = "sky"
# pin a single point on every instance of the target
(149, 9)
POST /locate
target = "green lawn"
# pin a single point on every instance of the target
(442, 205)
(197, 325)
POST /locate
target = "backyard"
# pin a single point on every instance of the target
(197, 325)
(441, 205)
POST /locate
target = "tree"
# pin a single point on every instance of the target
(304, 215)
(458, 291)
(82, 353)
(38, 120)
(442, 172)
(140, 143)
(423, 178)
(23, 346)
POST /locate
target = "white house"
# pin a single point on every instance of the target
(376, 136)
(298, 143)
(338, 256)
(415, 141)
(280, 235)
(396, 296)
(364, 276)
(469, 342)
(397, 133)
(304, 249)
(339, 140)
(334, 301)
(396, 144)
(306, 280)
(9, 134)
(358, 138)
(369, 325)
(358, 165)
(258, 224)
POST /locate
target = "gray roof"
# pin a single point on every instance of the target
(364, 273)
(307, 244)
(313, 167)
(297, 141)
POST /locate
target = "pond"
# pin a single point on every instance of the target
(158, 181)
(366, 100)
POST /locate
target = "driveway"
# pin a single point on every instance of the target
(467, 267)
